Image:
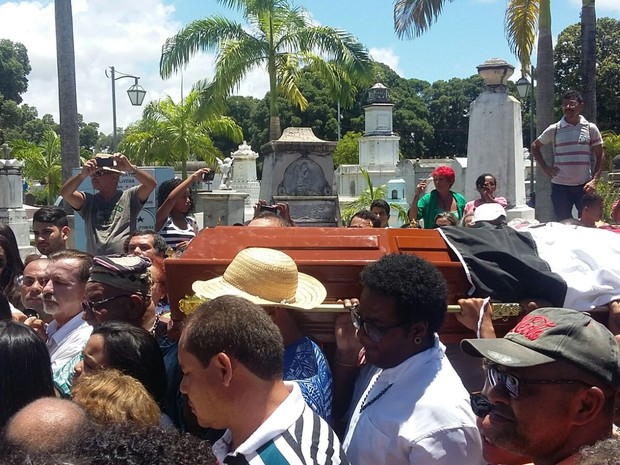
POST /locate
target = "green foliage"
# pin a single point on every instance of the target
(171, 133)
(347, 149)
(365, 199)
(611, 142)
(610, 193)
(280, 39)
(42, 162)
(14, 67)
(567, 58)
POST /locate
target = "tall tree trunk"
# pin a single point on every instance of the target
(588, 58)
(67, 99)
(545, 108)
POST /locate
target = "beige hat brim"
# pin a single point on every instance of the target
(310, 292)
(113, 170)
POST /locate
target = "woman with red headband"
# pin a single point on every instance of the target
(441, 199)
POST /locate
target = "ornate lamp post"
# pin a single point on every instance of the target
(136, 95)
(525, 87)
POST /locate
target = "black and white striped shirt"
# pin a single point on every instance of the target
(293, 434)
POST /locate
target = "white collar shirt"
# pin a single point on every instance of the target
(65, 342)
(417, 412)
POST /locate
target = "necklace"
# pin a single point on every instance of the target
(155, 323)
(365, 404)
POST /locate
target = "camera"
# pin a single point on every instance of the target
(269, 208)
(104, 162)
(207, 177)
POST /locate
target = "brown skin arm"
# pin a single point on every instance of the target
(550, 171)
(590, 187)
(69, 190)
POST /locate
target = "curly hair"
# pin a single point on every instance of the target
(110, 396)
(446, 172)
(420, 290)
(164, 190)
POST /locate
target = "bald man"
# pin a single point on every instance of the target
(46, 425)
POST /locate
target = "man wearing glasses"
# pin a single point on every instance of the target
(551, 385)
(110, 215)
(574, 141)
(409, 405)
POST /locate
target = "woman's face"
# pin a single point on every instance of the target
(441, 183)
(488, 186)
(184, 202)
(93, 356)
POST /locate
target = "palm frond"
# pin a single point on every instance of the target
(414, 17)
(521, 24)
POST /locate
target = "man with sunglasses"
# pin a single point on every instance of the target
(409, 405)
(551, 385)
(110, 215)
(574, 141)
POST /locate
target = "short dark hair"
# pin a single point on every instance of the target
(368, 215)
(420, 290)
(134, 352)
(239, 328)
(572, 95)
(480, 179)
(25, 373)
(51, 214)
(591, 199)
(380, 203)
(159, 243)
(85, 259)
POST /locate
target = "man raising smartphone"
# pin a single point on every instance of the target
(110, 215)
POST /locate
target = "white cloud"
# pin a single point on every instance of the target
(388, 57)
(125, 34)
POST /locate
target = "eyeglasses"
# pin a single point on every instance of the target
(92, 306)
(98, 174)
(374, 332)
(512, 383)
(570, 104)
(480, 405)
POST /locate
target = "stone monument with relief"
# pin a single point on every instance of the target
(298, 169)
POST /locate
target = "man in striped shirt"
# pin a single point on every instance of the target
(231, 355)
(574, 141)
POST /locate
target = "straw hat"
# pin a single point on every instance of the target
(266, 277)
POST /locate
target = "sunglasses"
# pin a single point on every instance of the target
(512, 384)
(92, 306)
(374, 332)
(480, 405)
(99, 173)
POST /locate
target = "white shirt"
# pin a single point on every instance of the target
(65, 342)
(422, 418)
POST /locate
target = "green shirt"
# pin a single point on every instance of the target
(428, 207)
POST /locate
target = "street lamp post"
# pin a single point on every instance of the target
(136, 96)
(525, 87)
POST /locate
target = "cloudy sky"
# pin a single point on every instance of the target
(129, 34)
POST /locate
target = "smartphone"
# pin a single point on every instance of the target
(107, 161)
(206, 177)
(269, 208)
(31, 312)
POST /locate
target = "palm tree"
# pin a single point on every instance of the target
(280, 39)
(170, 133)
(42, 162)
(413, 17)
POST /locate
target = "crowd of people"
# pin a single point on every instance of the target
(95, 370)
